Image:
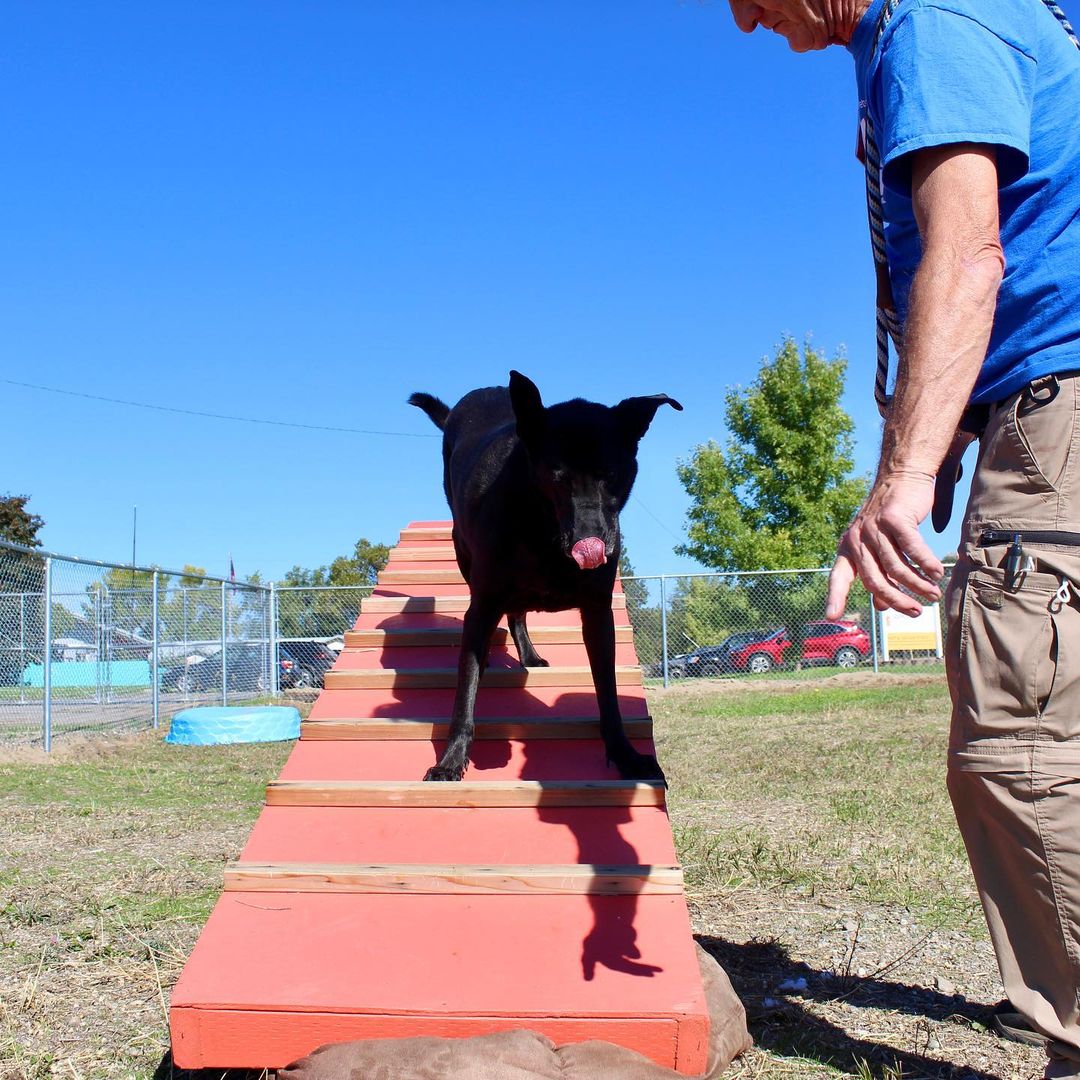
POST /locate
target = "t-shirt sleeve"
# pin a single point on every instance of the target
(946, 78)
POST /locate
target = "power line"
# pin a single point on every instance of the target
(662, 524)
(215, 416)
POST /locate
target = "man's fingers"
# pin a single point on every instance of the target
(901, 570)
(916, 554)
(880, 585)
(884, 549)
(840, 579)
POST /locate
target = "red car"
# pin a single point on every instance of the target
(845, 644)
(762, 654)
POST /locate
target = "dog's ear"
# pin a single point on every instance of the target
(635, 414)
(528, 408)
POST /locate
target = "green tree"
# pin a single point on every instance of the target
(644, 617)
(781, 493)
(360, 568)
(634, 588)
(19, 573)
(17, 524)
(307, 609)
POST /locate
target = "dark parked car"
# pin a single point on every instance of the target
(303, 663)
(676, 667)
(750, 650)
(246, 667)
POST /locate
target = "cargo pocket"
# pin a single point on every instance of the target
(1060, 719)
(1003, 663)
(1040, 429)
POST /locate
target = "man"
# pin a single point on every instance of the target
(973, 108)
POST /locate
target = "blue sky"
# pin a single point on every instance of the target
(303, 212)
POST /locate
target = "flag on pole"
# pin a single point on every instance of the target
(232, 569)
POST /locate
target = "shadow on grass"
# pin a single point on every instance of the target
(167, 1071)
(756, 967)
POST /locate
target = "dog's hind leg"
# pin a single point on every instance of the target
(598, 629)
(480, 623)
(526, 652)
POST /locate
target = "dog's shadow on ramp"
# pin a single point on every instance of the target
(599, 833)
(784, 1025)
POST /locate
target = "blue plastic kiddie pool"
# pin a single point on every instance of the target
(208, 726)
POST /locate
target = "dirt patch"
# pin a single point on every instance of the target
(855, 680)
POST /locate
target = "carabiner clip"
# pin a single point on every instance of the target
(1062, 596)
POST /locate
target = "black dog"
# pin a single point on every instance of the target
(535, 494)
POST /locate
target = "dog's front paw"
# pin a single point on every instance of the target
(635, 766)
(445, 772)
(535, 661)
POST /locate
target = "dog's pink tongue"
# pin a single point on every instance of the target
(589, 553)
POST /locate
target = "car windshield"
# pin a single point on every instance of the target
(736, 640)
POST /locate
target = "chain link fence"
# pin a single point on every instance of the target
(756, 624)
(93, 647)
(100, 647)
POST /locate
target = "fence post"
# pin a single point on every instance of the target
(663, 628)
(274, 672)
(874, 633)
(46, 681)
(154, 657)
(224, 643)
(22, 644)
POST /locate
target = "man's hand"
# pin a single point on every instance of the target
(884, 549)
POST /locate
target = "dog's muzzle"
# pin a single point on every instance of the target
(589, 553)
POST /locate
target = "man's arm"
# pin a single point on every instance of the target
(951, 313)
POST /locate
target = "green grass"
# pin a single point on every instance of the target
(157, 777)
(817, 788)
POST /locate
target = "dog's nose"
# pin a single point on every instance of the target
(589, 553)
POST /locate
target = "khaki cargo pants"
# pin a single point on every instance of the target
(1013, 661)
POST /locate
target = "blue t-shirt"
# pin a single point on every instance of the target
(1004, 73)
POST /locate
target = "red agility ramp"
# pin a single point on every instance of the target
(540, 892)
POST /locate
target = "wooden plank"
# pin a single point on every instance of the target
(424, 553)
(504, 678)
(451, 635)
(572, 878)
(420, 577)
(227, 1037)
(541, 701)
(542, 760)
(367, 728)
(456, 603)
(431, 532)
(464, 793)
(500, 657)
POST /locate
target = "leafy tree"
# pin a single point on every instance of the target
(360, 568)
(635, 590)
(17, 524)
(710, 609)
(780, 494)
(320, 612)
(776, 498)
(644, 618)
(19, 573)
